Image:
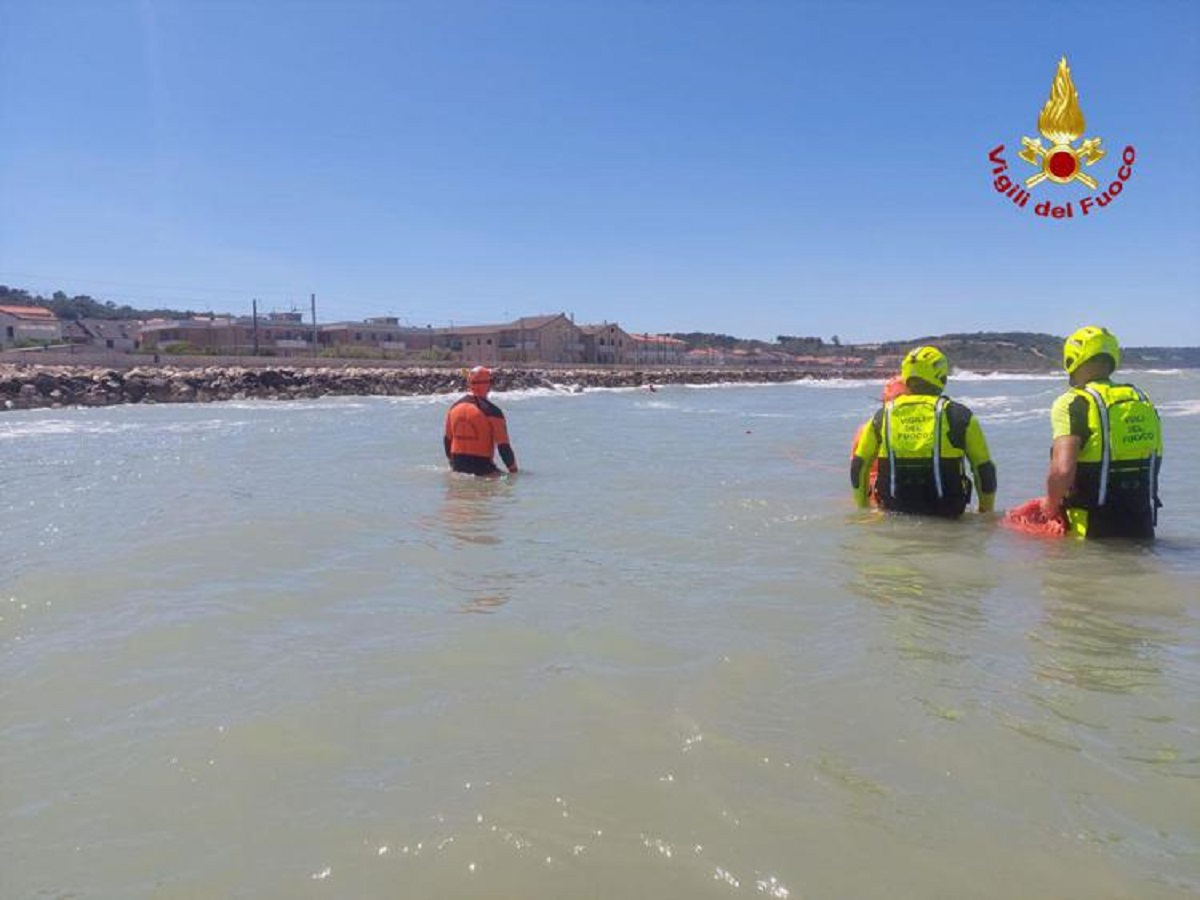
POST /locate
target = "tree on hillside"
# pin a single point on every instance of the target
(84, 307)
(791, 341)
(700, 340)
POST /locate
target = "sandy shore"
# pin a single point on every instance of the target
(49, 386)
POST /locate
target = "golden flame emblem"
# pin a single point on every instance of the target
(1061, 122)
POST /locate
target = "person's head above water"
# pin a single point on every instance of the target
(925, 370)
(1091, 353)
(479, 381)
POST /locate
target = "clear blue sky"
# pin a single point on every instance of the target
(755, 168)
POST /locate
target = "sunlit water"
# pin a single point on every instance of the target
(275, 650)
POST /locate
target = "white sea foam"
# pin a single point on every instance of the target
(530, 393)
(48, 427)
(283, 405)
(839, 384)
(655, 404)
(1174, 409)
(968, 375)
(1013, 415)
(1000, 400)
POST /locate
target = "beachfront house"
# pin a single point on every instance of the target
(532, 339)
(28, 325)
(474, 345)
(546, 339)
(120, 335)
(201, 334)
(281, 333)
(384, 334)
(606, 343)
(657, 350)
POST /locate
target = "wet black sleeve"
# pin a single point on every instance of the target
(958, 417)
(506, 454)
(857, 464)
(987, 477)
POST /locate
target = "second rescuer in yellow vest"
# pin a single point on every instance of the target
(1108, 445)
(921, 440)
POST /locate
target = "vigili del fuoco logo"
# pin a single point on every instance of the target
(1062, 162)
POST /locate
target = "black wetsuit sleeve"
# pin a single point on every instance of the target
(958, 417)
(987, 477)
(857, 464)
(446, 444)
(506, 454)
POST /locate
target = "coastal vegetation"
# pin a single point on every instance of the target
(83, 306)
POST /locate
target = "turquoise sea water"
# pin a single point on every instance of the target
(275, 650)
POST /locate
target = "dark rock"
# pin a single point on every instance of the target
(31, 387)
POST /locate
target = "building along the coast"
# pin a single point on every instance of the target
(658, 350)
(532, 339)
(384, 334)
(547, 339)
(111, 334)
(276, 333)
(203, 334)
(27, 325)
(606, 343)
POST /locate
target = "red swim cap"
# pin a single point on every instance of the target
(479, 380)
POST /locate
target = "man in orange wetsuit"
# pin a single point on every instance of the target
(475, 428)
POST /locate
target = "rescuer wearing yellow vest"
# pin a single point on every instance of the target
(921, 439)
(1107, 448)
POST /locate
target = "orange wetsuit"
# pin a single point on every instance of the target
(475, 429)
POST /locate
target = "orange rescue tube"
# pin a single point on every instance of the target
(1030, 518)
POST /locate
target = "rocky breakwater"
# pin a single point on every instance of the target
(40, 387)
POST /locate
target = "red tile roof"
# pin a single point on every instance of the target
(28, 312)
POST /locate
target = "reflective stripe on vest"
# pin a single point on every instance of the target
(1105, 443)
(937, 445)
(1152, 480)
(887, 436)
(938, 407)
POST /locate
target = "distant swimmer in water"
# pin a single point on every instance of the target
(653, 389)
(892, 388)
(920, 439)
(475, 429)
(1108, 445)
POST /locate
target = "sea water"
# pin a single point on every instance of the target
(275, 650)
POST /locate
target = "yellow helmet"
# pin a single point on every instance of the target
(927, 363)
(1087, 343)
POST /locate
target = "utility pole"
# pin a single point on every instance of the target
(313, 299)
(254, 318)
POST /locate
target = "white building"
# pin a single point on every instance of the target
(20, 324)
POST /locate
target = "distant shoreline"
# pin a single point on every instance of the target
(33, 386)
(28, 385)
